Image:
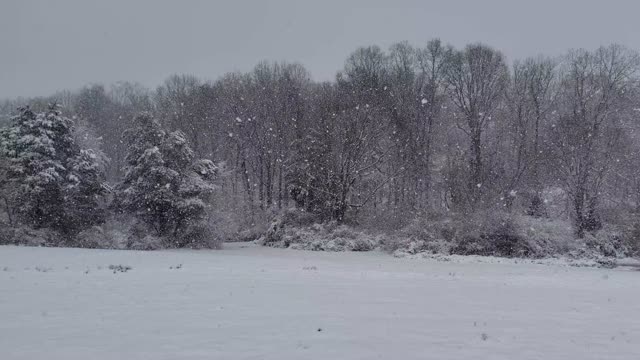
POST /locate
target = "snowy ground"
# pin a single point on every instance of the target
(247, 302)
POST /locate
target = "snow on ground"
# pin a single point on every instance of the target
(248, 302)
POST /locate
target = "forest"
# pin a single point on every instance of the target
(410, 149)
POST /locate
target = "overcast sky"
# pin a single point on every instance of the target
(46, 45)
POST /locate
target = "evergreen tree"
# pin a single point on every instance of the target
(55, 184)
(164, 187)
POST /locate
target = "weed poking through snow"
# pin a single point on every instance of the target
(120, 268)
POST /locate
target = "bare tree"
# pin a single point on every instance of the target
(594, 89)
(476, 77)
(432, 61)
(529, 97)
(177, 104)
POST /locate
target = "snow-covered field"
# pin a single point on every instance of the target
(247, 302)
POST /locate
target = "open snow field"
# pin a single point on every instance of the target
(247, 302)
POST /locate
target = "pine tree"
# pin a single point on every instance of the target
(164, 187)
(6, 190)
(56, 184)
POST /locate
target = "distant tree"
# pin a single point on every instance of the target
(431, 87)
(178, 100)
(312, 179)
(7, 193)
(530, 95)
(399, 135)
(403, 107)
(98, 114)
(594, 96)
(476, 77)
(341, 149)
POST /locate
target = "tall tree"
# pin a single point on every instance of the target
(432, 61)
(595, 87)
(57, 184)
(164, 186)
(529, 98)
(476, 77)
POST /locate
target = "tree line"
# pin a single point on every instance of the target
(399, 134)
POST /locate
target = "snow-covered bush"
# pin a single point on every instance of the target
(94, 238)
(293, 218)
(491, 236)
(251, 234)
(437, 228)
(505, 235)
(311, 239)
(299, 217)
(633, 239)
(608, 242)
(112, 234)
(274, 234)
(198, 236)
(164, 187)
(295, 229)
(546, 236)
(226, 223)
(549, 238)
(6, 235)
(33, 237)
(410, 240)
(401, 247)
(146, 243)
(478, 234)
(344, 232)
(362, 243)
(120, 233)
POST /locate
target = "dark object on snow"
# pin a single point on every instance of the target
(120, 268)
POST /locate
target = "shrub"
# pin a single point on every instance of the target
(114, 233)
(633, 239)
(361, 244)
(488, 234)
(251, 234)
(608, 242)
(298, 230)
(6, 235)
(547, 237)
(199, 236)
(30, 237)
(147, 242)
(500, 234)
(299, 217)
(93, 238)
(344, 232)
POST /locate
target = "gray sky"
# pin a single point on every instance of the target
(46, 45)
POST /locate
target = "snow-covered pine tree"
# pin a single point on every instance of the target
(164, 187)
(6, 191)
(56, 184)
